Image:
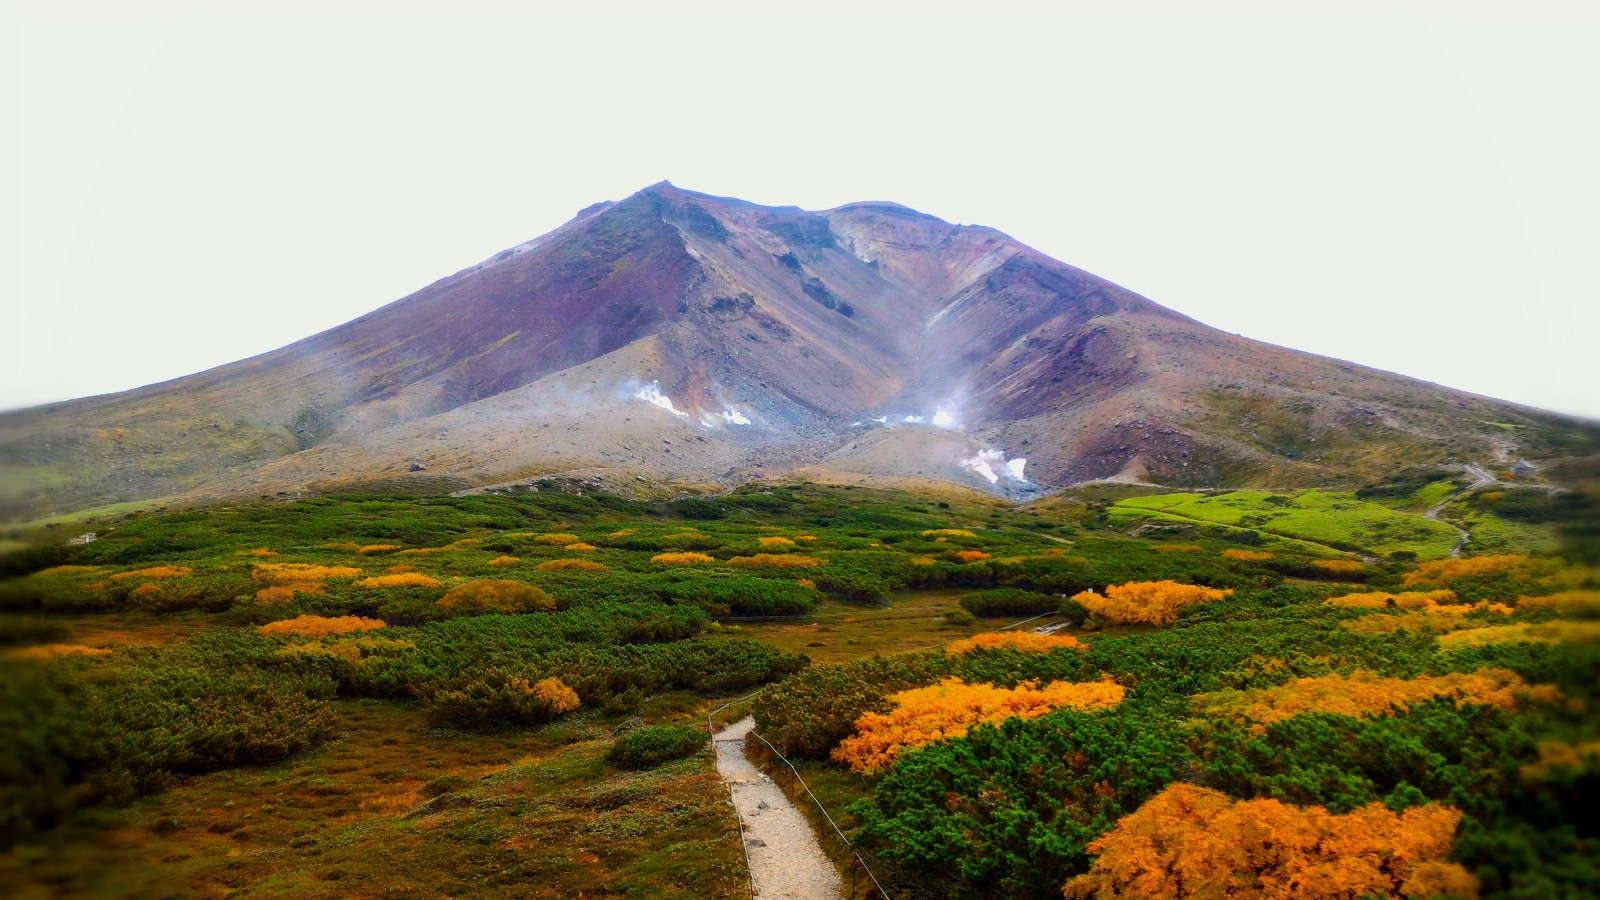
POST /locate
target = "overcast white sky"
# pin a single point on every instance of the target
(1411, 186)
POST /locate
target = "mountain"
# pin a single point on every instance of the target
(675, 338)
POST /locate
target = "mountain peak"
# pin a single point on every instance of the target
(681, 337)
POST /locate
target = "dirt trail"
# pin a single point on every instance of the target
(786, 862)
(1481, 478)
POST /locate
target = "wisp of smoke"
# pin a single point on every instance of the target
(992, 465)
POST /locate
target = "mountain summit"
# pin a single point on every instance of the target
(678, 338)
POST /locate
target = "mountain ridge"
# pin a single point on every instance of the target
(809, 326)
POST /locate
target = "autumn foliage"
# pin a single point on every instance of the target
(1384, 600)
(1338, 566)
(496, 596)
(775, 542)
(971, 555)
(282, 594)
(682, 559)
(1522, 633)
(399, 579)
(951, 707)
(557, 539)
(1148, 602)
(775, 561)
(1444, 571)
(1190, 841)
(301, 573)
(1245, 555)
(319, 626)
(570, 565)
(500, 562)
(1364, 693)
(1025, 641)
(154, 572)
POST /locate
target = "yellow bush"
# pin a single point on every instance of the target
(258, 553)
(56, 651)
(319, 626)
(948, 532)
(154, 572)
(557, 539)
(399, 579)
(1570, 602)
(951, 707)
(1444, 571)
(553, 691)
(1150, 602)
(496, 596)
(1176, 548)
(420, 551)
(376, 548)
(580, 546)
(287, 573)
(1026, 641)
(500, 562)
(1558, 755)
(967, 556)
(622, 533)
(774, 542)
(65, 570)
(1338, 566)
(1385, 600)
(775, 561)
(1522, 633)
(1194, 842)
(144, 590)
(805, 538)
(570, 565)
(1364, 693)
(282, 594)
(682, 559)
(805, 582)
(1245, 555)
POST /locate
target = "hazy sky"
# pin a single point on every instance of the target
(1411, 186)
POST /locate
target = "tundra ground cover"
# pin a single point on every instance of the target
(530, 674)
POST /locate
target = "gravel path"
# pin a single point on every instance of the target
(786, 862)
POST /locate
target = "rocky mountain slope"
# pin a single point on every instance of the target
(676, 338)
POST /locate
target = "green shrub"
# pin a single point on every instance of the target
(1010, 602)
(652, 745)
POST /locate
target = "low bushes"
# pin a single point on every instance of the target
(496, 596)
(652, 745)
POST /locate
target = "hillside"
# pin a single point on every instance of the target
(674, 338)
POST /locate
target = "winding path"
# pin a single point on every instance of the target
(1481, 479)
(786, 862)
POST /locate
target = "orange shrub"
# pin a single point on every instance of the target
(1192, 842)
(1245, 555)
(682, 559)
(1151, 602)
(500, 562)
(805, 538)
(65, 570)
(1384, 600)
(1026, 641)
(144, 590)
(259, 553)
(1585, 602)
(948, 532)
(1444, 571)
(1338, 566)
(622, 533)
(1363, 693)
(287, 573)
(570, 565)
(553, 691)
(805, 582)
(579, 545)
(281, 594)
(773, 542)
(376, 548)
(775, 561)
(319, 626)
(496, 596)
(557, 539)
(948, 709)
(420, 551)
(1522, 632)
(971, 555)
(399, 579)
(154, 572)
(56, 651)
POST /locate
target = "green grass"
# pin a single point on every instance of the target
(1336, 520)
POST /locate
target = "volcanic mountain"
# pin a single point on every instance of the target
(675, 338)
